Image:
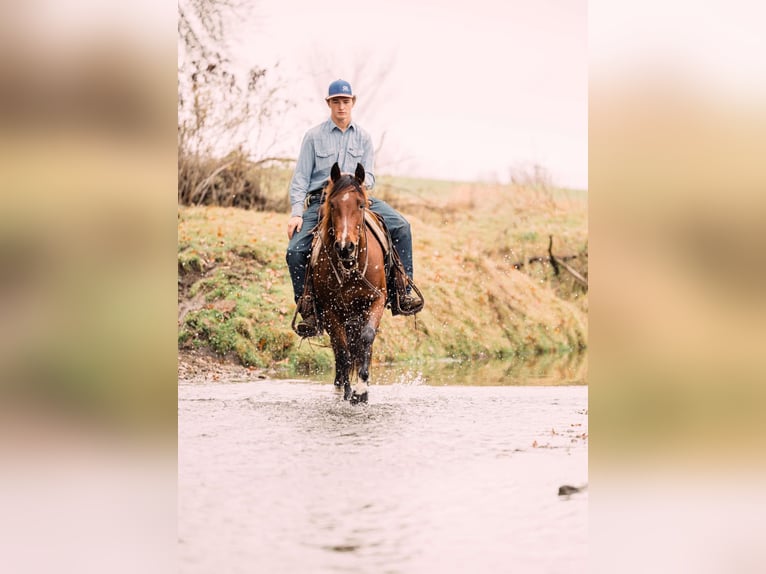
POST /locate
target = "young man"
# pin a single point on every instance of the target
(339, 139)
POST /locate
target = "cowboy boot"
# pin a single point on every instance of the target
(309, 326)
(408, 304)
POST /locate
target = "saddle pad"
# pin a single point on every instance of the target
(378, 229)
(316, 247)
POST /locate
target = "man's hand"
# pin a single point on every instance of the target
(294, 224)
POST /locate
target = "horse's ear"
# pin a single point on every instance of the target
(359, 173)
(335, 172)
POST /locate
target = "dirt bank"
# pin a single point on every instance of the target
(203, 366)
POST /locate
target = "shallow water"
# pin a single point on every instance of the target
(279, 476)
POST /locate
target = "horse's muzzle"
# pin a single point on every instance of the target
(346, 254)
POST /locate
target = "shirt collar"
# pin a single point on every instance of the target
(331, 125)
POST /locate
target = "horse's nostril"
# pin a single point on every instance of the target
(345, 251)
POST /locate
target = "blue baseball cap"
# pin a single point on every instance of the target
(340, 88)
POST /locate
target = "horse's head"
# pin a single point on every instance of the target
(343, 213)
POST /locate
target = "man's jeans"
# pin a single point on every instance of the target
(299, 248)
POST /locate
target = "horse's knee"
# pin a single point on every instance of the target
(368, 335)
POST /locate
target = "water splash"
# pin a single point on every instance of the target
(410, 379)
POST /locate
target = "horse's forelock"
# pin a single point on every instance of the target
(343, 182)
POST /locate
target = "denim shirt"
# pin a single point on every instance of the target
(322, 146)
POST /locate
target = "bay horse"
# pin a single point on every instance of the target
(349, 279)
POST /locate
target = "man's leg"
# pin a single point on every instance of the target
(297, 256)
(401, 237)
(399, 228)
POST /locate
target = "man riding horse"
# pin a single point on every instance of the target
(337, 140)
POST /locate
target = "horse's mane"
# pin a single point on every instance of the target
(343, 182)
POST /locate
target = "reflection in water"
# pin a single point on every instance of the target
(287, 477)
(568, 369)
(546, 369)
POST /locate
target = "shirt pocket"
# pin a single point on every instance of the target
(355, 153)
(325, 157)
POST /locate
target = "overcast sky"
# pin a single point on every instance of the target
(461, 89)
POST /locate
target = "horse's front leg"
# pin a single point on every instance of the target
(343, 361)
(369, 331)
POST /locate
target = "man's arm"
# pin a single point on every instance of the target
(368, 161)
(299, 185)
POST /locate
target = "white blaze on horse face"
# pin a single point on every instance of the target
(344, 234)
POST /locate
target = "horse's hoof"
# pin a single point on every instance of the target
(347, 394)
(356, 399)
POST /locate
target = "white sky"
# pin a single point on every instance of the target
(475, 89)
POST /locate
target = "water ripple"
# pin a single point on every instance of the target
(292, 478)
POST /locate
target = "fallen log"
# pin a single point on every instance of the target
(520, 264)
(555, 262)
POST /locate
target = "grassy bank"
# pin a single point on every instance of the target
(235, 297)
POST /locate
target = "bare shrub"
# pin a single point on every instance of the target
(232, 181)
(223, 114)
(537, 180)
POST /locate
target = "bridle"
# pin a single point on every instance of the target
(347, 272)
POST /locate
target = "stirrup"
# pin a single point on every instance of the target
(417, 306)
(309, 325)
(307, 328)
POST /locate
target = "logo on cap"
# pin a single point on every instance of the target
(339, 87)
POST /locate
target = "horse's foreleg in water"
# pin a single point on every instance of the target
(367, 338)
(342, 354)
(343, 369)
